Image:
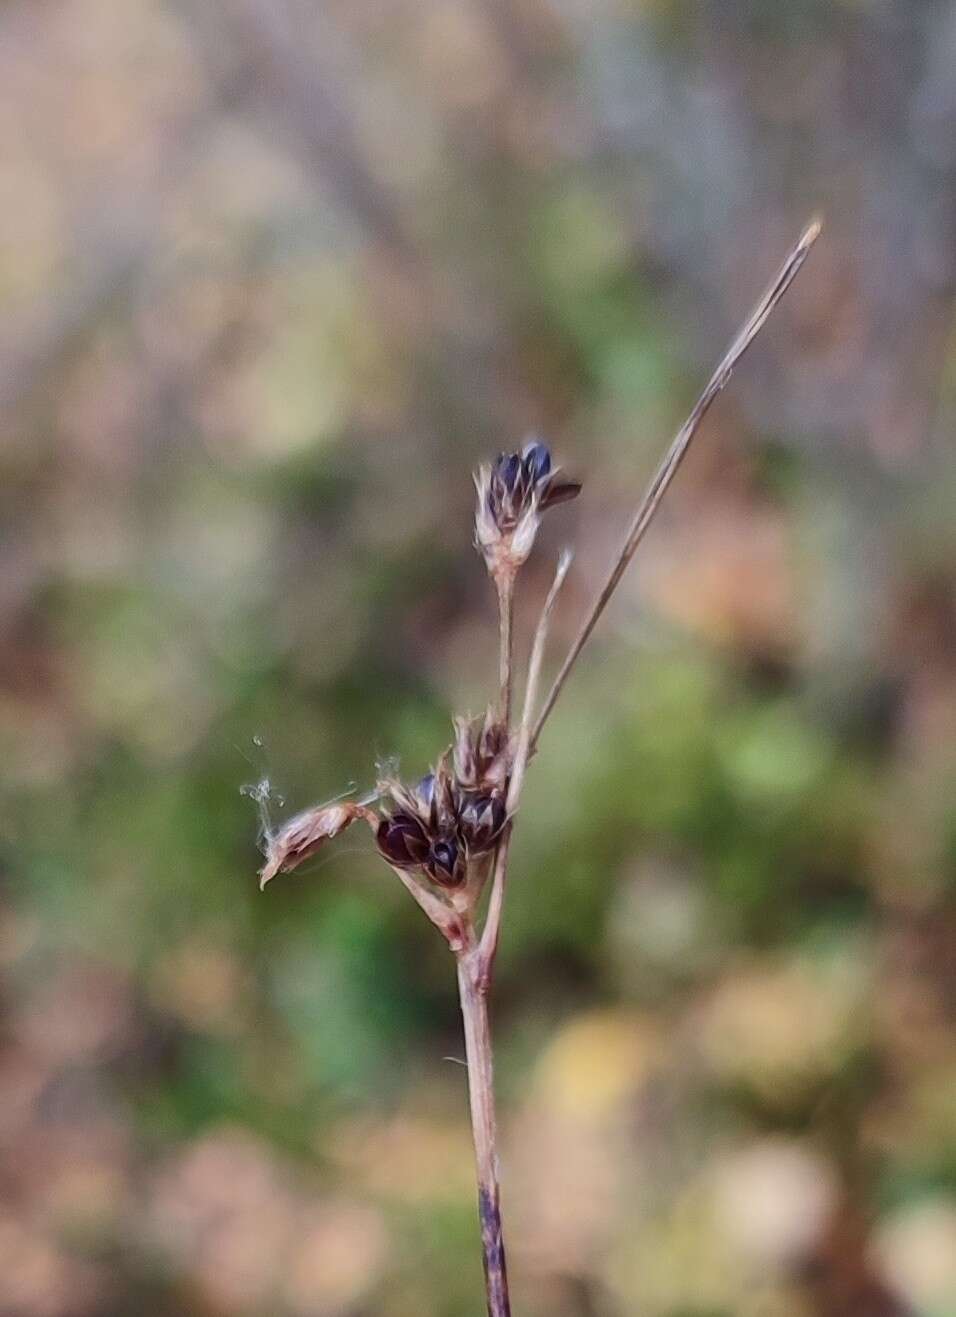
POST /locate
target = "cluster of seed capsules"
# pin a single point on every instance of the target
(512, 493)
(456, 813)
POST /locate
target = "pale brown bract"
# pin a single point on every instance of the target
(302, 836)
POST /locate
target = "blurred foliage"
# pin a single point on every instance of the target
(274, 278)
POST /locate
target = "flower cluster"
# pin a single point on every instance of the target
(456, 813)
(512, 493)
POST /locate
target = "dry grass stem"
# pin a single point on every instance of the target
(675, 454)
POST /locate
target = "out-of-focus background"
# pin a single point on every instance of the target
(275, 276)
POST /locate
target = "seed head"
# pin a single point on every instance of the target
(480, 821)
(512, 493)
(402, 840)
(422, 833)
(481, 753)
(446, 863)
(455, 813)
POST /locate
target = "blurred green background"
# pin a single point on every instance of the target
(275, 276)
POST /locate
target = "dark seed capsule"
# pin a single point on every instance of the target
(446, 862)
(481, 820)
(536, 460)
(426, 790)
(508, 470)
(517, 479)
(402, 841)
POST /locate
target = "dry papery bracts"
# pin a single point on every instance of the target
(512, 493)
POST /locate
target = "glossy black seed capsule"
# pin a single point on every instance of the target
(536, 460)
(481, 819)
(518, 480)
(402, 841)
(446, 862)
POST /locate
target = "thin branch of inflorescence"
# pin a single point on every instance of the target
(522, 750)
(505, 585)
(490, 933)
(673, 458)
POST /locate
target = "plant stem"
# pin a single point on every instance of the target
(674, 456)
(505, 584)
(489, 937)
(474, 1010)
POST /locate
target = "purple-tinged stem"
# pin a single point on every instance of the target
(474, 1010)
